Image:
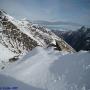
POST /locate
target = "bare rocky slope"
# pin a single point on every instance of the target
(79, 39)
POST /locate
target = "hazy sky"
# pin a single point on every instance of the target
(77, 11)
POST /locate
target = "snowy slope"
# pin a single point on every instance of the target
(49, 70)
(25, 36)
(5, 55)
(12, 36)
(49, 63)
(27, 28)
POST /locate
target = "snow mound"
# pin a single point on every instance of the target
(48, 69)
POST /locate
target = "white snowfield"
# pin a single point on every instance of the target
(47, 69)
(5, 55)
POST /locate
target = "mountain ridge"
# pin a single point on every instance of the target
(21, 36)
(79, 39)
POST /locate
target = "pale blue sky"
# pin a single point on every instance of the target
(77, 11)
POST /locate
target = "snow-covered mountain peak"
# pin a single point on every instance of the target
(21, 36)
(39, 34)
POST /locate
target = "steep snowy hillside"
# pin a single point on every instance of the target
(5, 51)
(47, 69)
(21, 36)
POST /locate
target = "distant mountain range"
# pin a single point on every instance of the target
(79, 39)
(59, 25)
(42, 22)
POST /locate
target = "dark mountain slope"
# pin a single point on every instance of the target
(79, 40)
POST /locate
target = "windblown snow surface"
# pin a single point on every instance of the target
(47, 69)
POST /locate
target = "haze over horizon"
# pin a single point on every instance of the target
(77, 11)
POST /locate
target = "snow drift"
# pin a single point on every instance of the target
(47, 69)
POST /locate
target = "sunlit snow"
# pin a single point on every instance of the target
(47, 69)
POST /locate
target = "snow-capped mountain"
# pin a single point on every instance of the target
(18, 37)
(22, 35)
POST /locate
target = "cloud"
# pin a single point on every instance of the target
(50, 10)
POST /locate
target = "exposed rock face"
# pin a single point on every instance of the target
(79, 39)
